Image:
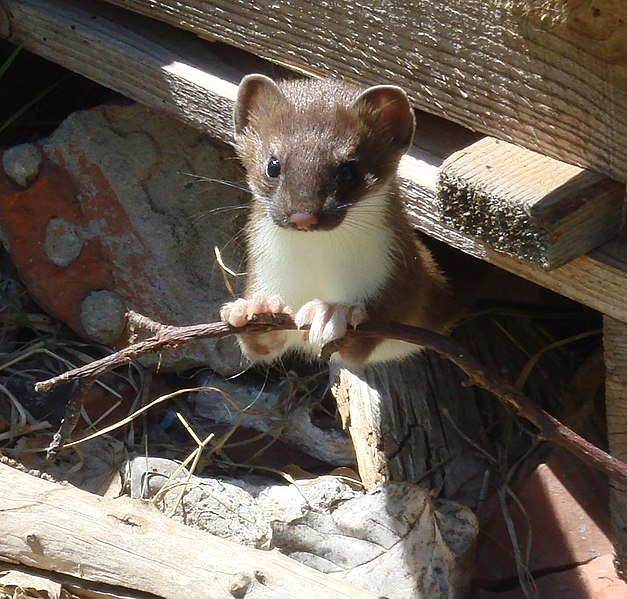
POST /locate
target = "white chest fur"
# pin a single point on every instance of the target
(348, 264)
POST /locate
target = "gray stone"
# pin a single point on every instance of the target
(398, 540)
(242, 510)
(269, 410)
(103, 315)
(63, 242)
(139, 211)
(21, 164)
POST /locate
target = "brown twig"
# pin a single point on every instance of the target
(550, 428)
(71, 417)
(166, 337)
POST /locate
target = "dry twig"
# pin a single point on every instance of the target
(551, 429)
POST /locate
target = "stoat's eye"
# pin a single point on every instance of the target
(273, 168)
(348, 172)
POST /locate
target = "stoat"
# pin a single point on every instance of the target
(327, 236)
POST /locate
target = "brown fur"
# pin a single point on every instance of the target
(322, 128)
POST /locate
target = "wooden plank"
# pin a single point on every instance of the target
(138, 550)
(140, 58)
(179, 73)
(528, 205)
(597, 279)
(555, 85)
(615, 353)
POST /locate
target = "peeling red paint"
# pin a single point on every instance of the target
(24, 214)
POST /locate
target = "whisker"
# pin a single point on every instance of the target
(235, 239)
(224, 182)
(201, 217)
(225, 209)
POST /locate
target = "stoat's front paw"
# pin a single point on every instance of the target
(257, 347)
(328, 322)
(243, 310)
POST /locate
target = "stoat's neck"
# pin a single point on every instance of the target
(348, 264)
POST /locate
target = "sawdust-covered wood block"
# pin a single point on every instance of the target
(528, 205)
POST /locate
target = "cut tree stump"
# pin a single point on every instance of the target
(418, 420)
(394, 415)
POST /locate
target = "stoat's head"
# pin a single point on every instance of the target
(313, 149)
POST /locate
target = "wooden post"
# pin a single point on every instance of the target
(405, 420)
(615, 349)
(528, 205)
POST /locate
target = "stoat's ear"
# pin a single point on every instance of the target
(391, 111)
(255, 92)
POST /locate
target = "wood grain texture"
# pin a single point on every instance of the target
(142, 59)
(131, 545)
(178, 73)
(404, 421)
(615, 353)
(557, 87)
(528, 205)
(597, 279)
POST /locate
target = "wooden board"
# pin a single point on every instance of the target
(138, 550)
(557, 85)
(597, 279)
(174, 71)
(615, 353)
(526, 204)
(142, 59)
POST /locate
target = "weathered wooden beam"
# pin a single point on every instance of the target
(138, 57)
(410, 421)
(135, 548)
(597, 279)
(615, 353)
(557, 85)
(528, 205)
(174, 71)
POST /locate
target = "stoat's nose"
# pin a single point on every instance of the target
(303, 221)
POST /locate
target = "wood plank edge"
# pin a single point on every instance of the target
(615, 353)
(527, 205)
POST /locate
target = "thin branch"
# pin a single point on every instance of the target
(72, 415)
(551, 429)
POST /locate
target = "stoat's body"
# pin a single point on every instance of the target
(327, 235)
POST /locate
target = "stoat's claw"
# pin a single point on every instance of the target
(328, 322)
(242, 310)
(357, 315)
(258, 347)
